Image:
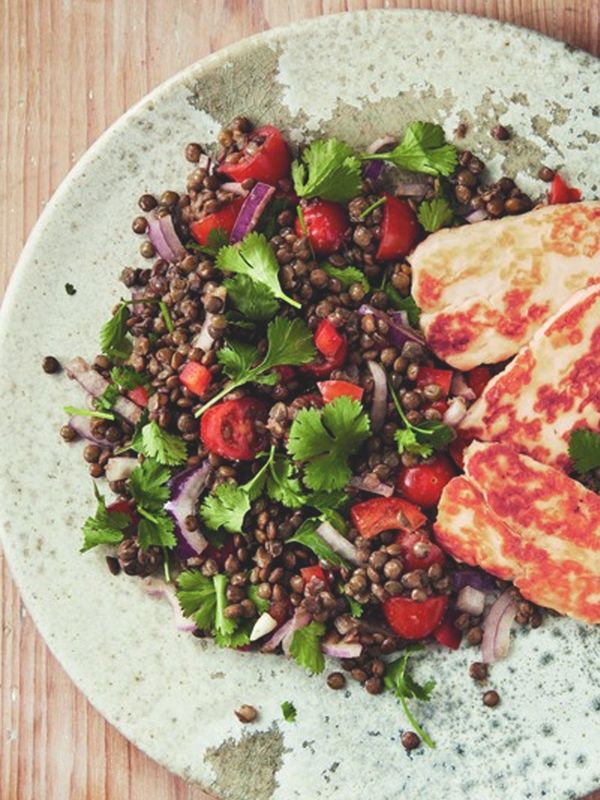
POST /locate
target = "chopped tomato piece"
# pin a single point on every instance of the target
(423, 483)
(477, 379)
(326, 225)
(447, 633)
(400, 229)
(561, 192)
(266, 158)
(224, 218)
(195, 377)
(413, 620)
(439, 405)
(139, 395)
(334, 389)
(228, 429)
(315, 571)
(439, 377)
(457, 448)
(385, 514)
(327, 339)
(285, 373)
(432, 553)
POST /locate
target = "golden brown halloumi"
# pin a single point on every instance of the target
(484, 289)
(550, 388)
(526, 522)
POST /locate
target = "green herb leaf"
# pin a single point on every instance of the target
(306, 647)
(197, 598)
(326, 439)
(227, 632)
(226, 508)
(399, 680)
(404, 304)
(372, 207)
(216, 239)
(421, 439)
(237, 359)
(260, 603)
(86, 412)
(283, 486)
(148, 488)
(407, 442)
(307, 536)
(164, 447)
(347, 276)
(114, 334)
(105, 527)
(323, 501)
(356, 608)
(327, 169)
(70, 289)
(423, 149)
(166, 315)
(127, 378)
(288, 710)
(584, 450)
(255, 258)
(435, 214)
(106, 400)
(156, 529)
(254, 300)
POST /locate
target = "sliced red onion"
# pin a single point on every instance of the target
(338, 543)
(379, 144)
(471, 601)
(120, 468)
(371, 483)
(158, 239)
(288, 629)
(459, 388)
(263, 625)
(342, 649)
(234, 188)
(251, 210)
(137, 294)
(186, 488)
(78, 369)
(454, 414)
(496, 628)
(156, 587)
(167, 227)
(477, 216)
(398, 334)
(475, 578)
(372, 169)
(412, 184)
(299, 620)
(83, 426)
(206, 162)
(204, 340)
(401, 317)
(380, 393)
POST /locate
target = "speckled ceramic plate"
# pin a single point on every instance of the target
(357, 76)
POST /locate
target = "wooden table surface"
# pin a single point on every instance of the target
(68, 68)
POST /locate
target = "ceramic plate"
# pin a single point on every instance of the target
(356, 76)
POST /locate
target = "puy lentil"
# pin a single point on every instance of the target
(410, 740)
(50, 365)
(246, 713)
(491, 698)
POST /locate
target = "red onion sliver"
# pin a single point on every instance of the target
(372, 169)
(342, 649)
(78, 369)
(475, 578)
(338, 543)
(272, 643)
(471, 601)
(459, 387)
(496, 628)
(172, 239)
(206, 162)
(372, 484)
(380, 393)
(299, 620)
(186, 488)
(234, 188)
(379, 144)
(397, 333)
(477, 216)
(83, 426)
(120, 468)
(454, 414)
(251, 210)
(157, 237)
(156, 587)
(204, 339)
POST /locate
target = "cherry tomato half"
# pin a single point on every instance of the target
(400, 229)
(385, 514)
(423, 483)
(326, 225)
(331, 390)
(228, 428)
(477, 379)
(224, 218)
(423, 556)
(139, 395)
(269, 163)
(561, 192)
(413, 620)
(438, 377)
(195, 377)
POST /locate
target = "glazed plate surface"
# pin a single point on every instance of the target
(356, 76)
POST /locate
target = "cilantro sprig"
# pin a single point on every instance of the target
(255, 258)
(584, 450)
(346, 275)
(423, 149)
(422, 439)
(205, 600)
(254, 300)
(306, 647)
(288, 709)
(105, 527)
(115, 341)
(229, 504)
(407, 304)
(435, 214)
(399, 680)
(307, 536)
(150, 492)
(154, 442)
(327, 169)
(216, 239)
(288, 342)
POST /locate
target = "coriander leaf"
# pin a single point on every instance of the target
(421, 439)
(307, 536)
(165, 447)
(166, 315)
(289, 711)
(226, 630)
(86, 412)
(106, 400)
(326, 439)
(237, 359)
(226, 508)
(324, 501)
(254, 300)
(306, 647)
(356, 608)
(346, 276)
(584, 450)
(155, 529)
(423, 149)
(407, 442)
(404, 304)
(114, 334)
(327, 169)
(335, 519)
(216, 239)
(438, 434)
(238, 320)
(404, 686)
(127, 378)
(70, 289)
(147, 484)
(105, 527)
(260, 603)
(239, 638)
(379, 202)
(254, 257)
(435, 214)
(282, 486)
(197, 598)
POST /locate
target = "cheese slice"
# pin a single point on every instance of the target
(484, 289)
(550, 388)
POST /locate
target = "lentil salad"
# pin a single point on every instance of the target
(267, 412)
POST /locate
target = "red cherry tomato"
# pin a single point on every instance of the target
(423, 483)
(478, 378)
(270, 163)
(224, 218)
(327, 339)
(413, 620)
(315, 571)
(399, 229)
(385, 514)
(561, 192)
(228, 429)
(195, 377)
(439, 377)
(139, 395)
(334, 389)
(434, 554)
(326, 224)
(447, 633)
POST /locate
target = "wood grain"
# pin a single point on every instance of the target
(68, 68)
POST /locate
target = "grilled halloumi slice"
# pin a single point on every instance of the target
(484, 289)
(550, 388)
